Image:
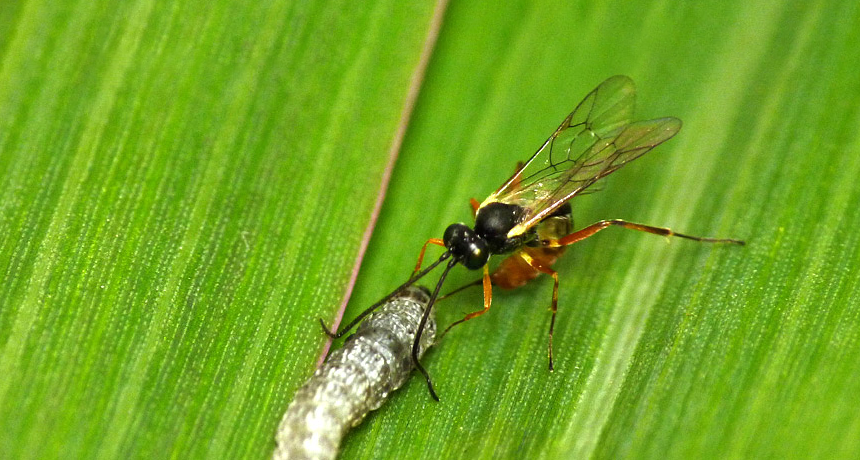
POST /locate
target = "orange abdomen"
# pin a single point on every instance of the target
(515, 272)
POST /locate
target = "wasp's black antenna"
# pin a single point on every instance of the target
(416, 344)
(372, 308)
(477, 282)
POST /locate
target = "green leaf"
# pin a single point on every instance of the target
(185, 188)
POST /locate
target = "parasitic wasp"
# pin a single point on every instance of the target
(529, 217)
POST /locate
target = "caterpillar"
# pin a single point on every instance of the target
(355, 379)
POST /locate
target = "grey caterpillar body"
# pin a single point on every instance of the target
(355, 379)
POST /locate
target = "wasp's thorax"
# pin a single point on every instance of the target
(493, 223)
(473, 247)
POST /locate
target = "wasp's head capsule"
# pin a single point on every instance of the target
(466, 246)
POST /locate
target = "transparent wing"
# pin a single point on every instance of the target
(596, 139)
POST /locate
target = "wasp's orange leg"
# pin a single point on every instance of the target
(437, 242)
(598, 226)
(488, 299)
(475, 205)
(541, 267)
(516, 182)
(514, 185)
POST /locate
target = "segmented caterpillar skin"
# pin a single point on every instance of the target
(355, 379)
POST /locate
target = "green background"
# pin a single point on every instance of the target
(184, 189)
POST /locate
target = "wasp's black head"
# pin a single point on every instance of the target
(466, 246)
(493, 223)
